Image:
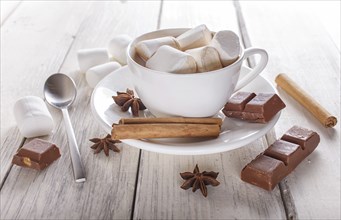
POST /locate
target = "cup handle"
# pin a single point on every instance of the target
(258, 68)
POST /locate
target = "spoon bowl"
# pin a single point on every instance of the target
(60, 92)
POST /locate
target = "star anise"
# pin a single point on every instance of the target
(105, 144)
(127, 100)
(198, 180)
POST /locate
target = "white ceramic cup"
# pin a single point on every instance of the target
(188, 95)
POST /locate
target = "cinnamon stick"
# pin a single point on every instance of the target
(301, 96)
(178, 120)
(164, 130)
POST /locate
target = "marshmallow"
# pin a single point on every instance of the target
(145, 49)
(117, 47)
(169, 59)
(96, 73)
(32, 117)
(207, 58)
(88, 58)
(196, 37)
(227, 45)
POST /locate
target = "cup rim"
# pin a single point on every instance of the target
(240, 58)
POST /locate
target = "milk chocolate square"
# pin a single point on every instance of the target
(238, 101)
(259, 108)
(291, 154)
(264, 106)
(36, 154)
(306, 138)
(264, 172)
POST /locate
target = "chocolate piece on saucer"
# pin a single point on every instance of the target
(263, 107)
(259, 108)
(238, 101)
(36, 154)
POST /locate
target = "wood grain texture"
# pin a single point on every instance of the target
(44, 37)
(32, 49)
(7, 9)
(301, 49)
(159, 195)
(270, 137)
(10, 146)
(109, 190)
(34, 44)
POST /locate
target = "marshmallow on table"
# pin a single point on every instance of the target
(88, 58)
(117, 47)
(145, 49)
(32, 117)
(207, 58)
(228, 46)
(196, 37)
(96, 73)
(169, 59)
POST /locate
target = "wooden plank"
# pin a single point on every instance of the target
(302, 49)
(10, 146)
(31, 50)
(109, 190)
(327, 13)
(159, 195)
(7, 9)
(270, 137)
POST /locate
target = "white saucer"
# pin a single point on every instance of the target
(235, 133)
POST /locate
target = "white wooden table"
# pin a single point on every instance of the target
(40, 38)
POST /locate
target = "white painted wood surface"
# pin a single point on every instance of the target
(159, 194)
(44, 37)
(7, 8)
(108, 192)
(311, 58)
(34, 43)
(32, 32)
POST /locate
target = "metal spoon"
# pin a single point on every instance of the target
(60, 92)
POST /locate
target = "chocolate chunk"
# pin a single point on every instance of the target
(307, 139)
(267, 169)
(286, 152)
(264, 172)
(260, 108)
(36, 154)
(238, 101)
(265, 106)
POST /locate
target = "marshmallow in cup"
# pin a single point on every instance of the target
(166, 94)
(169, 59)
(228, 46)
(88, 58)
(117, 48)
(146, 49)
(32, 117)
(207, 58)
(196, 37)
(97, 73)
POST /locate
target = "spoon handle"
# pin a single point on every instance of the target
(77, 165)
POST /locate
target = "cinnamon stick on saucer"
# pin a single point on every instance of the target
(301, 96)
(139, 128)
(180, 120)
